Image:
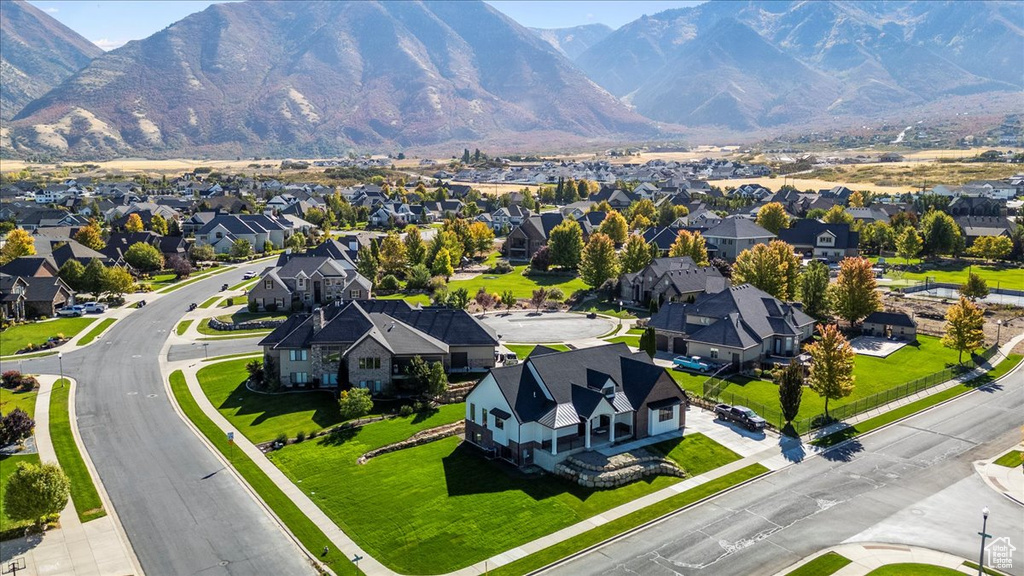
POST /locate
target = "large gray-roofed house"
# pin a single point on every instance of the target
(370, 343)
(308, 281)
(741, 325)
(553, 405)
(734, 235)
(671, 280)
(821, 239)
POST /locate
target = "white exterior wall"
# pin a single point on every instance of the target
(487, 396)
(654, 427)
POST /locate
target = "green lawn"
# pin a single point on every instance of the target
(631, 340)
(246, 316)
(251, 355)
(913, 570)
(96, 331)
(524, 350)
(261, 417)
(823, 565)
(159, 280)
(1011, 459)
(695, 453)
(918, 405)
(692, 382)
(18, 337)
(9, 400)
(427, 519)
(83, 492)
(995, 276)
(521, 286)
(245, 284)
(209, 302)
(7, 466)
(302, 527)
(873, 375)
(204, 328)
(632, 520)
(609, 309)
(412, 299)
(196, 278)
(182, 327)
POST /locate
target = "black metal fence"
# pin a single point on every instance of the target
(717, 390)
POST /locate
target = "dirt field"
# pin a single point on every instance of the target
(930, 315)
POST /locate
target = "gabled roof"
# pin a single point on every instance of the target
(891, 318)
(804, 232)
(28, 266)
(738, 228)
(45, 288)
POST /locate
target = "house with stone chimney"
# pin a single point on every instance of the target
(370, 343)
(556, 404)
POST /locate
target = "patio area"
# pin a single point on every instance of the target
(875, 346)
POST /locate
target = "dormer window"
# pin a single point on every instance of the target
(608, 390)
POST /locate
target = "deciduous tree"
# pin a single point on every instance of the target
(367, 263)
(134, 223)
(117, 281)
(354, 403)
(941, 234)
(772, 267)
(690, 244)
(991, 247)
(964, 322)
(831, 374)
(241, 248)
(508, 299)
(19, 243)
(908, 244)
(36, 493)
(566, 244)
(71, 273)
(144, 257)
(392, 255)
(15, 427)
(974, 288)
(538, 298)
(814, 290)
(201, 253)
(481, 238)
(443, 264)
(837, 215)
(599, 262)
(158, 225)
(91, 236)
(615, 227)
(772, 217)
(855, 295)
(636, 254)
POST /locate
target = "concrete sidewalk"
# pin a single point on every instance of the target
(96, 548)
(867, 556)
(1008, 481)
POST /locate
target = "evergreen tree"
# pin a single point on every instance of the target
(791, 387)
(648, 342)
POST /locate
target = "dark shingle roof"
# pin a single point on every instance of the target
(738, 228)
(804, 233)
(891, 318)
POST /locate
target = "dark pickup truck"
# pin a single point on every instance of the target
(741, 415)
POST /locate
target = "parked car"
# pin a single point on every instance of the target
(741, 415)
(140, 304)
(95, 308)
(71, 311)
(249, 274)
(223, 287)
(691, 363)
(505, 358)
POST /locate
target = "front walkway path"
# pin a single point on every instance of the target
(867, 556)
(96, 548)
(776, 454)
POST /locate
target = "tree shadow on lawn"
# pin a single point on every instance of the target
(338, 436)
(467, 472)
(246, 402)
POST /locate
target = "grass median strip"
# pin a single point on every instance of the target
(95, 332)
(823, 565)
(628, 522)
(1011, 459)
(87, 500)
(209, 302)
(173, 287)
(302, 527)
(903, 411)
(253, 354)
(182, 327)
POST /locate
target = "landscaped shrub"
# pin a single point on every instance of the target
(300, 436)
(253, 307)
(541, 259)
(270, 307)
(14, 380)
(555, 294)
(15, 426)
(500, 267)
(282, 438)
(436, 283)
(297, 306)
(405, 410)
(418, 277)
(389, 283)
(230, 301)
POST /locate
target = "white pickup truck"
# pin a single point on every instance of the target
(71, 311)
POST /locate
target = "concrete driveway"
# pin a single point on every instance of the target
(547, 326)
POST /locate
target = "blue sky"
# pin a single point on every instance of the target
(109, 23)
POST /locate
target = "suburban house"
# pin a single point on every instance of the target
(223, 230)
(12, 298)
(671, 280)
(890, 324)
(30, 266)
(510, 216)
(308, 281)
(821, 239)
(741, 325)
(119, 242)
(734, 235)
(975, 227)
(370, 343)
(557, 404)
(524, 241)
(45, 295)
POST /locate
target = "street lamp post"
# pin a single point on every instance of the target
(984, 535)
(999, 329)
(60, 360)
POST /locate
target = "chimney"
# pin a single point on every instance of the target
(318, 320)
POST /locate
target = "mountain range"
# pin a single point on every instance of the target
(318, 78)
(36, 53)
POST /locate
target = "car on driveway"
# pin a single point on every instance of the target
(691, 363)
(249, 275)
(740, 415)
(71, 311)
(95, 308)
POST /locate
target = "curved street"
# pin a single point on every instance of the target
(183, 512)
(912, 483)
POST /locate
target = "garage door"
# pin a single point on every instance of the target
(460, 360)
(661, 342)
(679, 346)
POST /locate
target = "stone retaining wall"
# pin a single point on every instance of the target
(591, 470)
(251, 325)
(417, 439)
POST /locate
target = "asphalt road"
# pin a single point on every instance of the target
(183, 513)
(912, 483)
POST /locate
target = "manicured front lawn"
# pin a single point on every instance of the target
(83, 492)
(995, 276)
(244, 315)
(96, 331)
(441, 506)
(524, 350)
(823, 565)
(261, 417)
(209, 302)
(913, 570)
(204, 328)
(10, 399)
(1011, 459)
(18, 337)
(182, 327)
(609, 309)
(7, 466)
(301, 526)
(633, 341)
(412, 299)
(521, 286)
(695, 453)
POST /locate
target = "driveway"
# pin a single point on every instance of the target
(547, 326)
